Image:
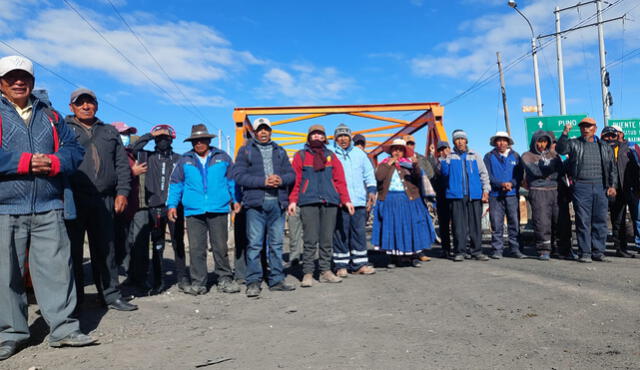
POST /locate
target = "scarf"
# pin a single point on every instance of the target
(404, 160)
(319, 160)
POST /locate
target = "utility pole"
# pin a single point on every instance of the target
(220, 138)
(229, 145)
(507, 125)
(563, 105)
(603, 65)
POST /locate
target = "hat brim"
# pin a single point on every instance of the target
(492, 142)
(408, 152)
(203, 136)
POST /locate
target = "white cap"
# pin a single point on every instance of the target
(260, 121)
(13, 62)
(617, 128)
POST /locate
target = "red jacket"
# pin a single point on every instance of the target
(313, 187)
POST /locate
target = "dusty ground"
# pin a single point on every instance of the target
(507, 314)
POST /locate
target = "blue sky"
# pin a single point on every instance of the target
(224, 54)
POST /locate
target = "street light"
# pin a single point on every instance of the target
(534, 53)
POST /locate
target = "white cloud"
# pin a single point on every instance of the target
(305, 84)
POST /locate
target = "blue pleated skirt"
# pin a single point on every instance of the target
(401, 226)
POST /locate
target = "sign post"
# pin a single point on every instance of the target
(630, 127)
(555, 124)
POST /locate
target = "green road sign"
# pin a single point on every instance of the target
(554, 124)
(630, 127)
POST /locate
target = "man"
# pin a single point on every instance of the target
(467, 187)
(37, 150)
(542, 168)
(100, 187)
(505, 175)
(202, 182)
(349, 238)
(160, 163)
(442, 206)
(592, 168)
(359, 141)
(263, 171)
(561, 227)
(627, 180)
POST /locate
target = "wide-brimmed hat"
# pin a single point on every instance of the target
(123, 128)
(500, 135)
(408, 152)
(199, 131)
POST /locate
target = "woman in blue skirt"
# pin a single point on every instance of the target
(402, 225)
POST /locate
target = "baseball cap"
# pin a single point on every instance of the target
(15, 62)
(172, 131)
(587, 121)
(259, 122)
(82, 91)
(124, 128)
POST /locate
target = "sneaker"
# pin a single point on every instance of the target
(329, 277)
(458, 258)
(416, 263)
(342, 273)
(544, 256)
(253, 290)
(600, 258)
(515, 253)
(282, 287)
(196, 290)
(75, 339)
(365, 270)
(480, 257)
(496, 255)
(9, 348)
(228, 285)
(391, 265)
(184, 285)
(624, 254)
(584, 259)
(467, 256)
(307, 281)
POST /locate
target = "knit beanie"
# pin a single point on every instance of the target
(342, 129)
(459, 134)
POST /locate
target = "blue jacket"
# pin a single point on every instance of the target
(208, 189)
(464, 174)
(358, 172)
(503, 169)
(46, 133)
(248, 172)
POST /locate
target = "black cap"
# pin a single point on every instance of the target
(442, 145)
(358, 138)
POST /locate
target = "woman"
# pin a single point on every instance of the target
(402, 225)
(319, 189)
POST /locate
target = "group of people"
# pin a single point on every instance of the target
(65, 178)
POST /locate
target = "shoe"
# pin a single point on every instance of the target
(416, 263)
(584, 259)
(480, 257)
(342, 273)
(496, 255)
(253, 290)
(307, 281)
(467, 256)
(423, 257)
(544, 256)
(9, 348)
(391, 265)
(75, 339)
(365, 270)
(196, 290)
(184, 285)
(600, 258)
(458, 258)
(569, 257)
(329, 277)
(158, 289)
(121, 305)
(445, 254)
(624, 254)
(282, 287)
(228, 285)
(516, 254)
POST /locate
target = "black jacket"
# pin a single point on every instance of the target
(105, 168)
(542, 170)
(574, 148)
(160, 165)
(627, 170)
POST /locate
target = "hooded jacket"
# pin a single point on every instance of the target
(574, 148)
(248, 172)
(22, 192)
(105, 167)
(203, 189)
(464, 175)
(160, 166)
(358, 172)
(542, 170)
(503, 169)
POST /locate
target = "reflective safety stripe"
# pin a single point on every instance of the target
(359, 253)
(338, 255)
(341, 261)
(360, 260)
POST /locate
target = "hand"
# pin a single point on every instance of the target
(172, 214)
(277, 180)
(291, 210)
(611, 192)
(446, 152)
(485, 197)
(507, 186)
(350, 208)
(120, 203)
(432, 149)
(236, 207)
(138, 169)
(391, 161)
(567, 128)
(164, 131)
(371, 199)
(414, 159)
(40, 164)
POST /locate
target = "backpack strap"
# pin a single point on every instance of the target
(54, 118)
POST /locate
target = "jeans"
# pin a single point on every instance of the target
(266, 222)
(318, 223)
(590, 207)
(350, 239)
(215, 226)
(45, 236)
(498, 208)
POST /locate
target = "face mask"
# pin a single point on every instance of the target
(163, 144)
(126, 140)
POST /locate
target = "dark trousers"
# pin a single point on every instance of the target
(590, 207)
(620, 228)
(350, 239)
(444, 223)
(466, 217)
(318, 225)
(215, 226)
(561, 236)
(296, 243)
(121, 241)
(498, 208)
(240, 244)
(96, 219)
(159, 224)
(544, 212)
(139, 234)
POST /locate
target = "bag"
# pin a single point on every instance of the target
(426, 189)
